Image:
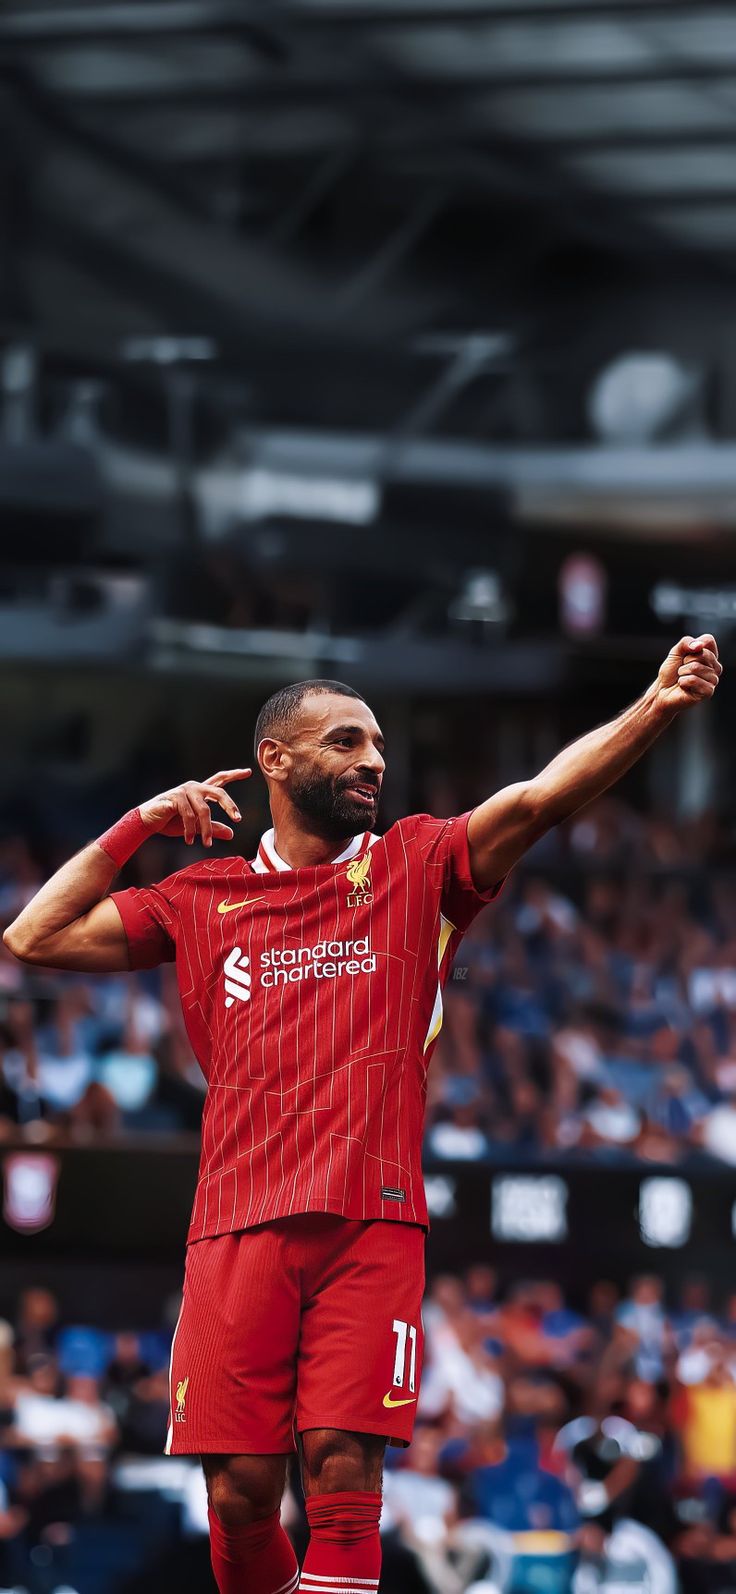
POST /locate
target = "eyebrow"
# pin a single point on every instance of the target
(354, 730)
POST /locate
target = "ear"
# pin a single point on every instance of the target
(274, 758)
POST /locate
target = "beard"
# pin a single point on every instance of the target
(331, 806)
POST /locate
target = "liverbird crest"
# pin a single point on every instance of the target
(359, 870)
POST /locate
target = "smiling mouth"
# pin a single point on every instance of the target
(365, 794)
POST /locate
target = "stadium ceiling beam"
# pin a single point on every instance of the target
(320, 182)
(509, 163)
(517, 167)
(433, 13)
(418, 135)
(166, 17)
(465, 359)
(345, 87)
(607, 208)
(640, 140)
(683, 198)
(381, 661)
(140, 19)
(184, 265)
(673, 471)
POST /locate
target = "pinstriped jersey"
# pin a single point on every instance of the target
(312, 999)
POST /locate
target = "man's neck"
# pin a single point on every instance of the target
(301, 847)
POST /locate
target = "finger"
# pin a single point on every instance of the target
(695, 669)
(215, 794)
(706, 641)
(710, 660)
(188, 818)
(224, 776)
(204, 817)
(222, 832)
(701, 664)
(704, 655)
(695, 686)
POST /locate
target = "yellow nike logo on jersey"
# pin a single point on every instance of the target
(229, 907)
(387, 1401)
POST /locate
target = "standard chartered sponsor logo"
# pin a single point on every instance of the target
(326, 960)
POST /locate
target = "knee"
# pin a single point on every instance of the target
(244, 1489)
(336, 1462)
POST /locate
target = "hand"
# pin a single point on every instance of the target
(184, 811)
(690, 673)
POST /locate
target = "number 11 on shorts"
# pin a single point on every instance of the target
(405, 1332)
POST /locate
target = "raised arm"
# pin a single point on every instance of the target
(502, 829)
(70, 924)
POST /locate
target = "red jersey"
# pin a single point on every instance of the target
(312, 998)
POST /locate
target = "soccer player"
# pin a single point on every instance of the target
(311, 983)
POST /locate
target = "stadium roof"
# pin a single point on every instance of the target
(401, 219)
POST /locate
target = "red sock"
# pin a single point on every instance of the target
(257, 1559)
(344, 1555)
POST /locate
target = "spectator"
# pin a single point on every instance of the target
(460, 1135)
(514, 1492)
(422, 1507)
(693, 1310)
(705, 1415)
(36, 1325)
(643, 1315)
(48, 1421)
(717, 1131)
(531, 1507)
(603, 1302)
(610, 1120)
(481, 1290)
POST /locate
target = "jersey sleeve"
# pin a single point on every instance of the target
(150, 923)
(443, 844)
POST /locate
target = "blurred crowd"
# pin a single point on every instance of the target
(582, 1445)
(591, 1009)
(560, 1445)
(74, 1401)
(80, 1058)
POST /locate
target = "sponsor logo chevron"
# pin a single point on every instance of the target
(237, 977)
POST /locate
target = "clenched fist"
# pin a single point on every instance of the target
(691, 672)
(184, 810)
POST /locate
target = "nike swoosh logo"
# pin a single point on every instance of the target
(229, 907)
(387, 1401)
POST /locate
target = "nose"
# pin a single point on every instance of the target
(374, 762)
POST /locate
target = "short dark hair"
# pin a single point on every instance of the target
(279, 714)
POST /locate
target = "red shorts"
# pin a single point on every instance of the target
(312, 1321)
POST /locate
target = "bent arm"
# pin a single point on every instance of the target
(622, 1477)
(69, 924)
(502, 829)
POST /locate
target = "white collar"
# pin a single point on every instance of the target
(267, 860)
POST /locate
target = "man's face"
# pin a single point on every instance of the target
(337, 764)
(647, 1290)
